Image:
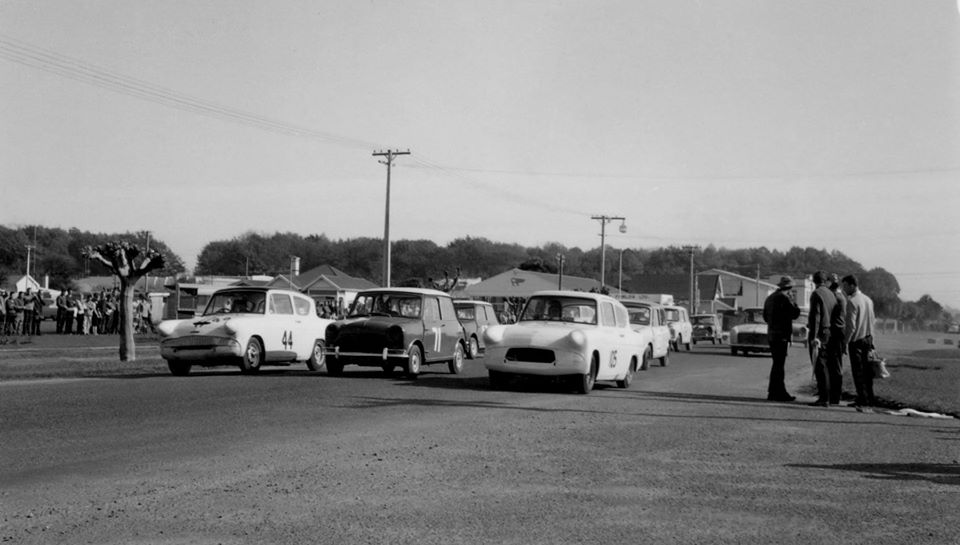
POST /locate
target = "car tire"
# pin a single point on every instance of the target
(733, 351)
(586, 381)
(687, 346)
(456, 364)
(645, 364)
(179, 368)
(665, 359)
(318, 357)
(252, 356)
(414, 361)
(474, 349)
(334, 367)
(628, 378)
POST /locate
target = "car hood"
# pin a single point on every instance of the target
(201, 325)
(373, 323)
(532, 333)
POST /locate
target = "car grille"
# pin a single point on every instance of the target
(361, 342)
(535, 355)
(752, 338)
(196, 341)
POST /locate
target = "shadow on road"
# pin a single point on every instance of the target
(934, 473)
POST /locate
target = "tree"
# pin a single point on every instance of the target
(122, 259)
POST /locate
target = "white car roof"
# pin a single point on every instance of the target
(419, 291)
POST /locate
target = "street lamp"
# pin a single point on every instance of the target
(604, 220)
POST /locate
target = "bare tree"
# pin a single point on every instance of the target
(122, 259)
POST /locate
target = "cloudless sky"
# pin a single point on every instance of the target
(738, 123)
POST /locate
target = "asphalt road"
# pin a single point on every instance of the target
(691, 453)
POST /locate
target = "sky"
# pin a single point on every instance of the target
(738, 123)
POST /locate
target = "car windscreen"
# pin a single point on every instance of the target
(560, 309)
(235, 302)
(702, 320)
(386, 304)
(466, 313)
(639, 315)
(754, 316)
(672, 314)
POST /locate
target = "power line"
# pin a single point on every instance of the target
(78, 70)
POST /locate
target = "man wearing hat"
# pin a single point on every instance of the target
(779, 311)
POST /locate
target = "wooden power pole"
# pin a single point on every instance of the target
(389, 154)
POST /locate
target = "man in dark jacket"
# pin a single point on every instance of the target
(823, 356)
(779, 311)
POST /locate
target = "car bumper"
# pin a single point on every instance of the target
(384, 355)
(564, 363)
(230, 349)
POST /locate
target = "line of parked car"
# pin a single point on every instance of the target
(582, 337)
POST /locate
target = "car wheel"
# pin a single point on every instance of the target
(687, 345)
(179, 368)
(645, 364)
(334, 367)
(318, 357)
(498, 380)
(586, 381)
(474, 349)
(733, 351)
(628, 378)
(456, 364)
(414, 361)
(252, 356)
(665, 360)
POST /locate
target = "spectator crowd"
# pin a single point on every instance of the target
(21, 313)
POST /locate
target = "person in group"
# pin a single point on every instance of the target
(38, 305)
(26, 323)
(826, 369)
(837, 335)
(61, 302)
(3, 313)
(79, 312)
(858, 334)
(17, 305)
(779, 311)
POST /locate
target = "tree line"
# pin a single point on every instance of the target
(59, 253)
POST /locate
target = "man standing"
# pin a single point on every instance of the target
(858, 334)
(826, 368)
(779, 311)
(837, 336)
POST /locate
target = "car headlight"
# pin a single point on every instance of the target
(578, 338)
(493, 334)
(231, 326)
(331, 334)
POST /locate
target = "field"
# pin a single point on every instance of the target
(925, 371)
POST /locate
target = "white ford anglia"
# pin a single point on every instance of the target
(582, 336)
(247, 327)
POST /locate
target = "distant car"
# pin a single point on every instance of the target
(391, 327)
(681, 330)
(799, 333)
(584, 337)
(476, 317)
(707, 327)
(648, 319)
(751, 334)
(247, 327)
(49, 305)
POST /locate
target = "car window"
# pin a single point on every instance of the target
(640, 315)
(466, 313)
(672, 314)
(447, 311)
(235, 302)
(607, 314)
(580, 310)
(280, 304)
(301, 306)
(431, 309)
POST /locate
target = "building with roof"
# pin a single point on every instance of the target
(324, 283)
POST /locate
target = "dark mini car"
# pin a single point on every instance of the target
(476, 317)
(397, 327)
(706, 327)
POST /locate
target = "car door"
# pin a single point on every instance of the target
(432, 329)
(611, 337)
(304, 328)
(661, 333)
(279, 328)
(450, 328)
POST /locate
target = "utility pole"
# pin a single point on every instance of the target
(560, 277)
(604, 220)
(692, 249)
(389, 154)
(30, 248)
(146, 277)
(757, 287)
